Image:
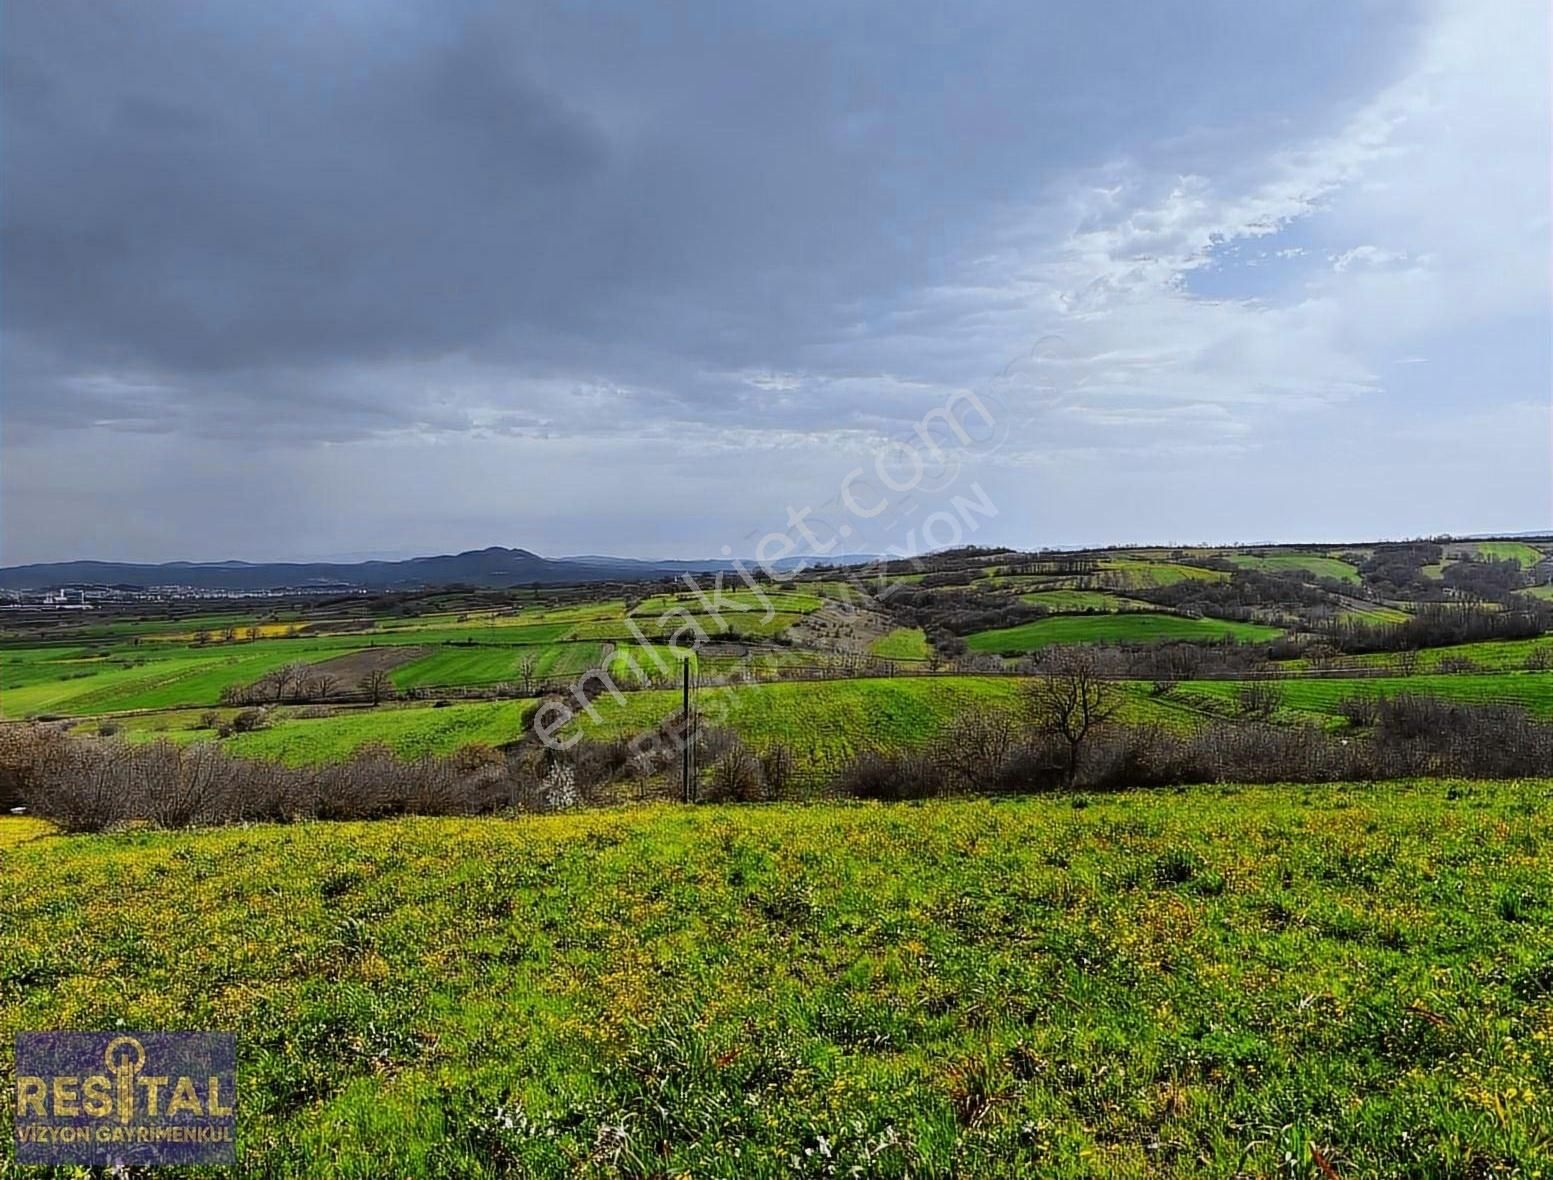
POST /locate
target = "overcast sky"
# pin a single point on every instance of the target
(293, 280)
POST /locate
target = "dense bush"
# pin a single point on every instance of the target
(1433, 625)
(1411, 736)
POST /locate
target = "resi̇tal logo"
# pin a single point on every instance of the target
(125, 1098)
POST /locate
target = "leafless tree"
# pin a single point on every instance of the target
(526, 669)
(1070, 700)
(376, 684)
(1259, 698)
(1406, 662)
(973, 752)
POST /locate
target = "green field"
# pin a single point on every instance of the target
(155, 678)
(903, 643)
(1373, 613)
(824, 722)
(735, 602)
(493, 665)
(689, 628)
(1178, 984)
(409, 732)
(1532, 691)
(1121, 628)
(1495, 655)
(1298, 563)
(1082, 600)
(1136, 573)
(637, 664)
(1517, 551)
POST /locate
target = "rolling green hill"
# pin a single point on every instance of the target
(1122, 628)
(1161, 985)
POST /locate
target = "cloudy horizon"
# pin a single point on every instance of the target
(297, 282)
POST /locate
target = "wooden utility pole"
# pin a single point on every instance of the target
(684, 732)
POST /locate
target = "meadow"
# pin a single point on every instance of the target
(1309, 564)
(824, 723)
(1320, 698)
(1142, 627)
(1082, 600)
(1270, 981)
(902, 643)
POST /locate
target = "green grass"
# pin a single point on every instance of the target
(735, 601)
(409, 732)
(1517, 551)
(1177, 984)
(634, 664)
(508, 632)
(1532, 691)
(903, 643)
(1374, 613)
(157, 678)
(1122, 628)
(656, 625)
(1298, 563)
(1082, 600)
(1493, 655)
(1135, 573)
(825, 722)
(493, 665)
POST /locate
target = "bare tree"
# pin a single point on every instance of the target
(1259, 698)
(376, 684)
(974, 751)
(526, 669)
(323, 686)
(1070, 701)
(1406, 662)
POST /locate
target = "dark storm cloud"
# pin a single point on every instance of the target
(243, 212)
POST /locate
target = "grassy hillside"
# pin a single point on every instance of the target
(903, 643)
(1310, 564)
(823, 722)
(153, 679)
(408, 731)
(1136, 573)
(1154, 985)
(491, 665)
(1154, 627)
(1517, 551)
(1082, 600)
(1532, 691)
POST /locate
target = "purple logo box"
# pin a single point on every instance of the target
(112, 1098)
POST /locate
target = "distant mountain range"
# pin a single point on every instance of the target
(477, 567)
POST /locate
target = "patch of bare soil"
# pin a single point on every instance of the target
(351, 667)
